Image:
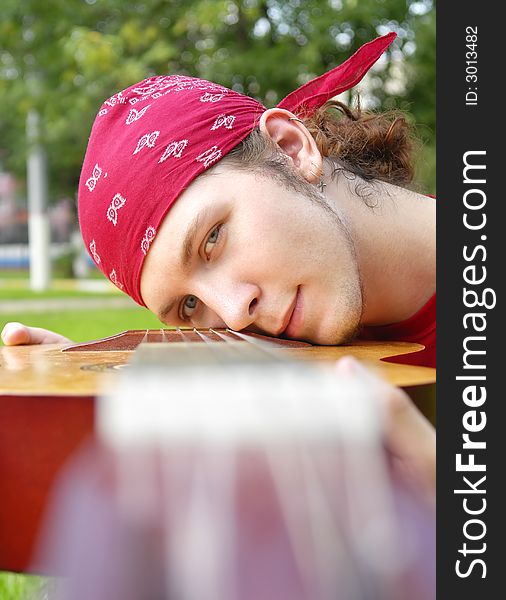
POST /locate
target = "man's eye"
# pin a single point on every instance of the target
(189, 305)
(213, 237)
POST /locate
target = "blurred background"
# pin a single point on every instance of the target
(59, 59)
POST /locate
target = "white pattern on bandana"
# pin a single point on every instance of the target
(174, 149)
(133, 115)
(93, 250)
(116, 99)
(207, 97)
(116, 203)
(159, 84)
(148, 140)
(147, 239)
(114, 278)
(223, 120)
(92, 181)
(209, 156)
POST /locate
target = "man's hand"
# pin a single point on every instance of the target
(410, 438)
(15, 334)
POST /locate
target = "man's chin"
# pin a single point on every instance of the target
(336, 338)
(320, 338)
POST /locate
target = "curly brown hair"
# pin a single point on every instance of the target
(368, 146)
(371, 145)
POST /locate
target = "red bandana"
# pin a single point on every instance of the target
(150, 141)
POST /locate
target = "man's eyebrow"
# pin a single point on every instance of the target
(165, 310)
(186, 252)
(189, 238)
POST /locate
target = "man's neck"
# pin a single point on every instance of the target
(394, 232)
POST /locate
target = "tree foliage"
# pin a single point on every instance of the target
(64, 57)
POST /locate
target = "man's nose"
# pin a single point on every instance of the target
(234, 302)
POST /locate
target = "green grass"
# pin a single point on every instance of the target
(85, 325)
(25, 274)
(77, 325)
(13, 274)
(19, 289)
(20, 587)
(25, 294)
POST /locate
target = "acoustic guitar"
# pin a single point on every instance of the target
(48, 404)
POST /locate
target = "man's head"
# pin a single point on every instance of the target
(150, 149)
(255, 245)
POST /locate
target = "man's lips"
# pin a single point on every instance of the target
(293, 318)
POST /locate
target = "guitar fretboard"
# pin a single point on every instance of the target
(129, 340)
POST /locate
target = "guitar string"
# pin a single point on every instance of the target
(228, 337)
(260, 346)
(236, 348)
(217, 351)
(185, 344)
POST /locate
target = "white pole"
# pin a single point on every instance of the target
(38, 222)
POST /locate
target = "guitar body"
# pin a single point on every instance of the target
(47, 410)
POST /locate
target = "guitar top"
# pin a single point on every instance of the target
(86, 369)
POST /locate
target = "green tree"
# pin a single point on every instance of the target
(64, 57)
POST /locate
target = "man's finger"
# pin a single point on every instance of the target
(15, 334)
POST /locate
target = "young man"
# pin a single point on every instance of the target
(213, 211)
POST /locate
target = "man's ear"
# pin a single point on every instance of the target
(291, 135)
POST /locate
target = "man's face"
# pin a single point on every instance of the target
(240, 250)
